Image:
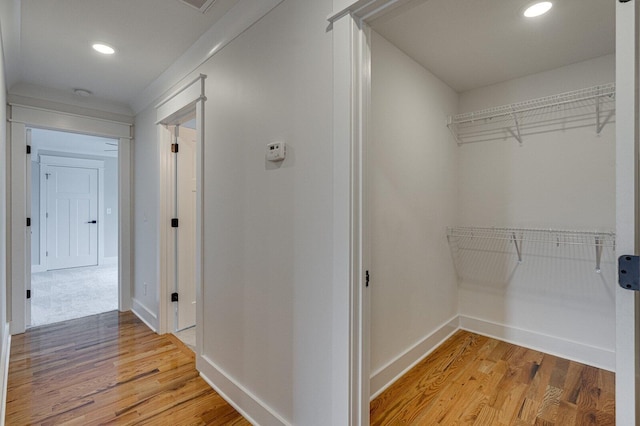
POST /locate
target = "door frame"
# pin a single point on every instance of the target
(181, 103)
(19, 258)
(351, 76)
(85, 163)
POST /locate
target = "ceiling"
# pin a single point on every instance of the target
(148, 35)
(71, 143)
(476, 43)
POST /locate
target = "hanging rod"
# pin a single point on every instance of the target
(562, 111)
(518, 236)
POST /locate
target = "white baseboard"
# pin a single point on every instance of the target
(579, 352)
(4, 365)
(113, 260)
(146, 316)
(240, 398)
(38, 268)
(385, 376)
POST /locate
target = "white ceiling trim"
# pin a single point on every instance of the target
(366, 9)
(241, 16)
(74, 123)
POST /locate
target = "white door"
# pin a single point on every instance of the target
(72, 217)
(186, 233)
(627, 302)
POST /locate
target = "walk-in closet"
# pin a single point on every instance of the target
(490, 180)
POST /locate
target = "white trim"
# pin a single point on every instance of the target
(4, 364)
(595, 356)
(627, 199)
(187, 100)
(59, 160)
(253, 409)
(17, 231)
(145, 314)
(385, 376)
(38, 268)
(21, 117)
(110, 260)
(240, 17)
(56, 120)
(125, 223)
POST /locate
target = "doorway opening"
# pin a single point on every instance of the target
(182, 202)
(74, 228)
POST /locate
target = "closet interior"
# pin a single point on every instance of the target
(490, 180)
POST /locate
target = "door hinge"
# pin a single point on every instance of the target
(174, 222)
(629, 272)
(28, 221)
(366, 278)
(174, 147)
(28, 294)
(28, 149)
(174, 297)
(46, 254)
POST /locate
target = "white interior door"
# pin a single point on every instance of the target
(72, 217)
(186, 232)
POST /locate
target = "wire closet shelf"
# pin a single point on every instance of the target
(593, 106)
(517, 236)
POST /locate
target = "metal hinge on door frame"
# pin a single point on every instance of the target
(629, 272)
(174, 148)
(28, 294)
(174, 297)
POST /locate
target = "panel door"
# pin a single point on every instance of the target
(72, 213)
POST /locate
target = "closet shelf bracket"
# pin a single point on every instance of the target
(517, 135)
(517, 241)
(598, 253)
(600, 123)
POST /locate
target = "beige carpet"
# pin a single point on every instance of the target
(65, 294)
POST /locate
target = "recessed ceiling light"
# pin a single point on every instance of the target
(104, 49)
(538, 9)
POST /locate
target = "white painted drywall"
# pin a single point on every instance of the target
(146, 205)
(412, 189)
(561, 180)
(4, 329)
(267, 244)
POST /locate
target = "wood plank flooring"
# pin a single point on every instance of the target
(108, 369)
(475, 380)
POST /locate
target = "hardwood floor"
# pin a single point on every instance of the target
(108, 369)
(475, 380)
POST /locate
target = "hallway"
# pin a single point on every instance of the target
(108, 368)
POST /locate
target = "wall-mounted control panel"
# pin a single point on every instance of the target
(276, 151)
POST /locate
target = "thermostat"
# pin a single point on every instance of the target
(276, 151)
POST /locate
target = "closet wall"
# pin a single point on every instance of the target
(554, 300)
(420, 182)
(412, 190)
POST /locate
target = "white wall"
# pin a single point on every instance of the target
(146, 205)
(267, 248)
(563, 180)
(4, 331)
(412, 189)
